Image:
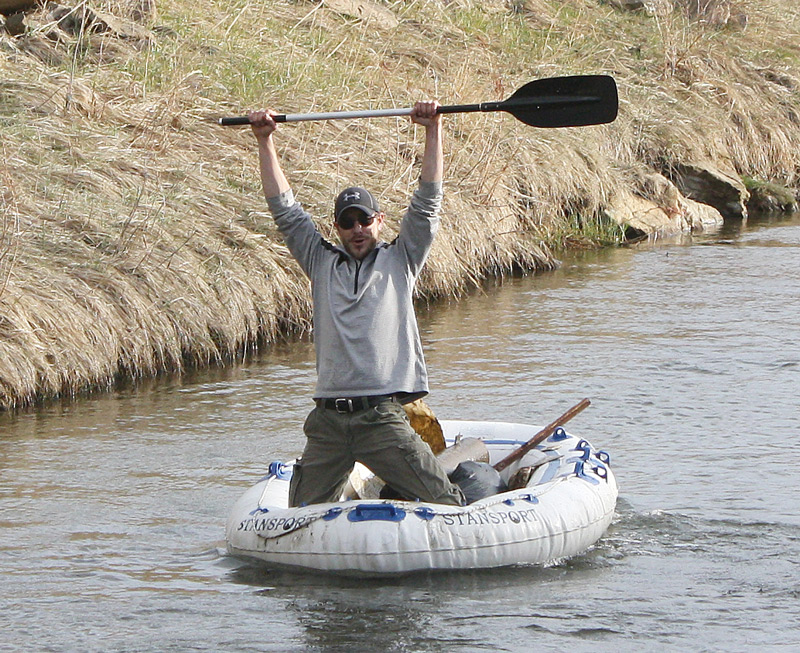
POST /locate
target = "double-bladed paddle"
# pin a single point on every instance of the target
(571, 101)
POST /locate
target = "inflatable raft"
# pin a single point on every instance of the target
(562, 509)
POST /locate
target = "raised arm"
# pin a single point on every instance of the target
(272, 178)
(297, 227)
(424, 113)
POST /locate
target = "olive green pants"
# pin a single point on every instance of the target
(380, 438)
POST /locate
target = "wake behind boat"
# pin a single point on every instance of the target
(564, 502)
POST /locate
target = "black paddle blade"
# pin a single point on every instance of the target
(571, 101)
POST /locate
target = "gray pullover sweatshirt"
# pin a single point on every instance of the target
(365, 331)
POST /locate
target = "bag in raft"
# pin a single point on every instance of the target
(477, 480)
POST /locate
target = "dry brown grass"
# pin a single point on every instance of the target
(133, 234)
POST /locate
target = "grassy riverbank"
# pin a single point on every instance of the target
(133, 235)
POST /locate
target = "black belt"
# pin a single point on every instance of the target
(353, 404)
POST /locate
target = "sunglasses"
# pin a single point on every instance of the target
(347, 222)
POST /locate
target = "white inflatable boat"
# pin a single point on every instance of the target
(563, 508)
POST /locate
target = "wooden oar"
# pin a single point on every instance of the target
(541, 436)
(571, 101)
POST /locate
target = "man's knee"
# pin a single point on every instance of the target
(308, 488)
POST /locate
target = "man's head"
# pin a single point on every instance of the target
(358, 221)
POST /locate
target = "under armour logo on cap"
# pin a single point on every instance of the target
(356, 197)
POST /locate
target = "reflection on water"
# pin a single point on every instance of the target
(112, 508)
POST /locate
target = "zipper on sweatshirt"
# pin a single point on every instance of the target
(355, 281)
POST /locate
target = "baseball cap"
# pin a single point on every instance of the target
(355, 197)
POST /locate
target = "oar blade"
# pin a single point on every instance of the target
(572, 101)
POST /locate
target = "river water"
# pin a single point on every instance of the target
(112, 508)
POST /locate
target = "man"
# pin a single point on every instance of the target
(369, 356)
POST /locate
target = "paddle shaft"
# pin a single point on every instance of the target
(541, 436)
(552, 102)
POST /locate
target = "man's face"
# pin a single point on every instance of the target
(359, 239)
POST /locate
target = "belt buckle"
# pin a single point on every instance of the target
(343, 405)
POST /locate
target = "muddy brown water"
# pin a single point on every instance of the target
(112, 508)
